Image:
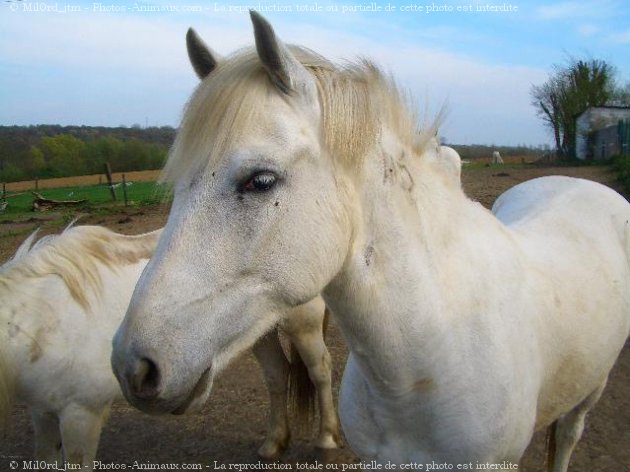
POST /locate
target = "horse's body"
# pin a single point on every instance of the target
(61, 304)
(467, 330)
(496, 158)
(62, 301)
(532, 317)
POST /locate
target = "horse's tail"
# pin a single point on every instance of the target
(301, 391)
(7, 381)
(551, 446)
(325, 322)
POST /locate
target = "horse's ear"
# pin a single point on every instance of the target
(202, 58)
(285, 70)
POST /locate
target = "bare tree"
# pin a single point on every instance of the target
(570, 90)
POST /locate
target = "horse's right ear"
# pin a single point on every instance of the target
(202, 58)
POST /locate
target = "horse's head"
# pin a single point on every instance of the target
(257, 224)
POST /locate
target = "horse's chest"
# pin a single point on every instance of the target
(426, 424)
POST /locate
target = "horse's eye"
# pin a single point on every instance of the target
(260, 182)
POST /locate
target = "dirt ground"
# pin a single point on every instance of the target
(232, 425)
(133, 176)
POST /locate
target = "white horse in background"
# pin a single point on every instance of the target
(496, 157)
(467, 330)
(294, 383)
(60, 304)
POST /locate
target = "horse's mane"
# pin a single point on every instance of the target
(75, 256)
(357, 101)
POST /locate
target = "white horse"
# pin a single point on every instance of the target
(496, 157)
(304, 327)
(61, 302)
(293, 177)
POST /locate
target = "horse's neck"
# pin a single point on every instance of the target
(417, 254)
(33, 300)
(141, 246)
(148, 242)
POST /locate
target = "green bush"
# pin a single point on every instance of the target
(11, 173)
(621, 164)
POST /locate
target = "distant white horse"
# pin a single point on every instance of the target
(468, 330)
(496, 158)
(60, 303)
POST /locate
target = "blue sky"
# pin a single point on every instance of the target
(120, 63)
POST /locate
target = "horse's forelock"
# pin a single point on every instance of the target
(357, 100)
(215, 116)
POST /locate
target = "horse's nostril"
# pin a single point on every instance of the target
(145, 379)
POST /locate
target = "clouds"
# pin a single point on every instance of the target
(95, 67)
(487, 102)
(621, 37)
(605, 20)
(588, 29)
(97, 41)
(574, 10)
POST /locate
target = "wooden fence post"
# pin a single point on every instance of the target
(124, 184)
(108, 173)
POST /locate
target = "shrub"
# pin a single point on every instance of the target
(621, 164)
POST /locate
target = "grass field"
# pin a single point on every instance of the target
(138, 194)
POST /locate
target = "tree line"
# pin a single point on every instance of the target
(44, 151)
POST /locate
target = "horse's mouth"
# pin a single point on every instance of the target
(198, 395)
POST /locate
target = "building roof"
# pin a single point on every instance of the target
(604, 107)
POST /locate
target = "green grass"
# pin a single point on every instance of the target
(138, 194)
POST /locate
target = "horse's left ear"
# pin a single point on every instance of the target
(202, 58)
(285, 71)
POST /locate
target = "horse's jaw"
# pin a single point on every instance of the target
(198, 396)
(166, 364)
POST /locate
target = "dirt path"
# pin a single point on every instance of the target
(232, 425)
(78, 180)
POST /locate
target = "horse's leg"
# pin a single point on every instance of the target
(80, 433)
(47, 437)
(568, 431)
(308, 339)
(275, 367)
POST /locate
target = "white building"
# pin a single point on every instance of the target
(596, 134)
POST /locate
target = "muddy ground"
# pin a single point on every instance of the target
(232, 425)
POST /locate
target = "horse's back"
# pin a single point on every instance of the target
(575, 230)
(574, 236)
(557, 197)
(568, 217)
(65, 297)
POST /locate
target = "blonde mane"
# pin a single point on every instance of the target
(357, 100)
(75, 256)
